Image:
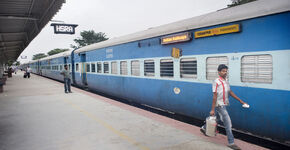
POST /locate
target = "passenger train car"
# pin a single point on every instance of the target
(171, 67)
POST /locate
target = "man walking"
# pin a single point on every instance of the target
(67, 80)
(221, 91)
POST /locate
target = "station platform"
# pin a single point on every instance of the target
(36, 114)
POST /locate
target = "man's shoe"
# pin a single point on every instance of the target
(202, 131)
(234, 146)
(65, 92)
(70, 91)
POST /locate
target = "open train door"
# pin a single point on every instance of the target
(84, 69)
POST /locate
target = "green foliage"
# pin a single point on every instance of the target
(38, 56)
(10, 63)
(56, 51)
(17, 63)
(89, 37)
(239, 2)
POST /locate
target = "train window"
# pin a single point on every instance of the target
(135, 68)
(257, 69)
(93, 67)
(99, 67)
(212, 64)
(56, 67)
(149, 69)
(77, 67)
(60, 67)
(69, 67)
(88, 67)
(188, 68)
(166, 68)
(106, 67)
(123, 68)
(114, 68)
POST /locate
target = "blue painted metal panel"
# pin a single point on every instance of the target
(267, 116)
(268, 33)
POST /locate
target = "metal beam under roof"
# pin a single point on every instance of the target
(21, 21)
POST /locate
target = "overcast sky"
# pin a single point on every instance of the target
(116, 18)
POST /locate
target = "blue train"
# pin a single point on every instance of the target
(171, 67)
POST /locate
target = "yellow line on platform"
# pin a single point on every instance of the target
(106, 125)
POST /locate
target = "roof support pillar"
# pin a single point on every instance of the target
(1, 70)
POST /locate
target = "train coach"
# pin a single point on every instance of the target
(171, 67)
(51, 66)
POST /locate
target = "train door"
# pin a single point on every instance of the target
(39, 68)
(65, 60)
(84, 69)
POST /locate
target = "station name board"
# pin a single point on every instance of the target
(218, 31)
(181, 37)
(64, 28)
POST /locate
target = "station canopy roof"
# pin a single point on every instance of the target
(21, 21)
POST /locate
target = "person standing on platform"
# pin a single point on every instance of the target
(67, 79)
(28, 71)
(221, 91)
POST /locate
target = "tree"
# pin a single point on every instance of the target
(56, 51)
(38, 56)
(89, 37)
(17, 63)
(239, 2)
(10, 63)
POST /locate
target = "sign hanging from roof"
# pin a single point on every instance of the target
(64, 28)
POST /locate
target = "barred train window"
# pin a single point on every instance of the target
(106, 67)
(93, 67)
(77, 67)
(99, 67)
(135, 68)
(149, 69)
(188, 68)
(212, 64)
(257, 69)
(114, 69)
(123, 68)
(88, 67)
(166, 68)
(60, 67)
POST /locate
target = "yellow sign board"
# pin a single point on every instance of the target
(176, 38)
(217, 31)
(176, 52)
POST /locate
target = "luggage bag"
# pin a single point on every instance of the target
(211, 124)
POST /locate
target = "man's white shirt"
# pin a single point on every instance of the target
(222, 87)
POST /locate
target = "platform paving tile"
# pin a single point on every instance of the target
(36, 114)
